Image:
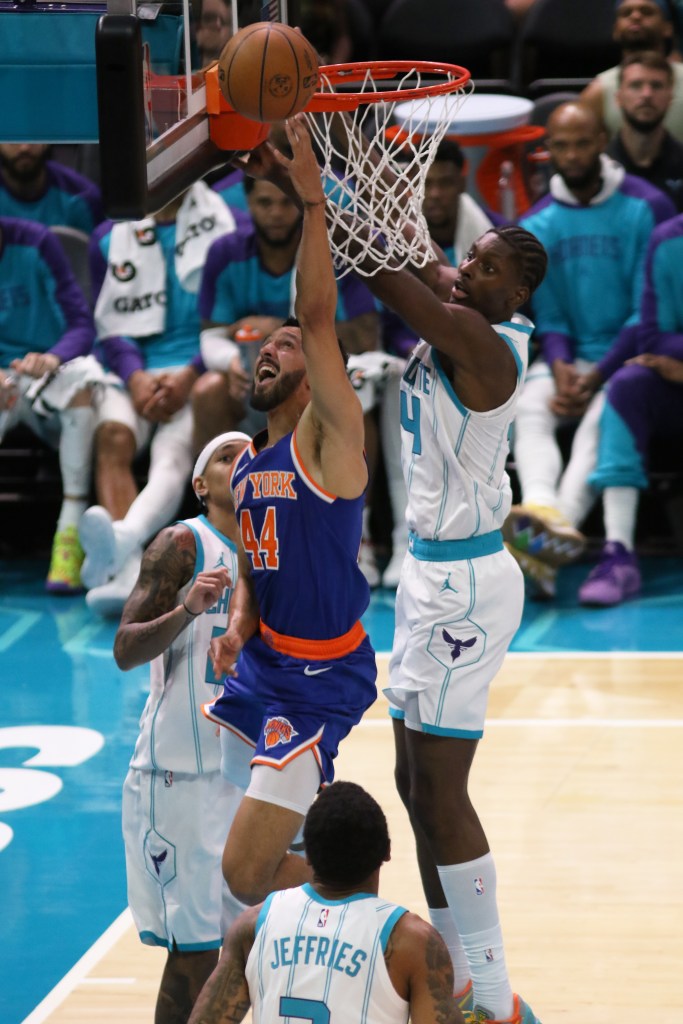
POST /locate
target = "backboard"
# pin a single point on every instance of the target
(154, 129)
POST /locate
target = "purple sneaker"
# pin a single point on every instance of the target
(614, 578)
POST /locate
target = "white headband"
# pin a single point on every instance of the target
(208, 450)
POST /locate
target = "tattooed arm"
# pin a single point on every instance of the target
(152, 617)
(225, 996)
(421, 972)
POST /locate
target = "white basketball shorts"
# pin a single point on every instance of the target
(454, 623)
(174, 830)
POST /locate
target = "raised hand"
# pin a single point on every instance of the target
(206, 590)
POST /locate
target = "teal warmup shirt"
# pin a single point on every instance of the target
(596, 259)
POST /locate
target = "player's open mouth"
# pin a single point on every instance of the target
(459, 292)
(266, 372)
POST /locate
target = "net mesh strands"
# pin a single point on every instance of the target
(375, 168)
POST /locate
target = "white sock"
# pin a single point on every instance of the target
(70, 513)
(158, 502)
(442, 919)
(471, 893)
(620, 508)
(75, 462)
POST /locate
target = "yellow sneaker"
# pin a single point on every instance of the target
(541, 576)
(543, 533)
(64, 575)
(521, 1014)
(464, 999)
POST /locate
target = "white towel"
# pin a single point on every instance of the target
(54, 391)
(132, 300)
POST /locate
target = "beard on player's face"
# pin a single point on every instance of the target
(279, 238)
(271, 394)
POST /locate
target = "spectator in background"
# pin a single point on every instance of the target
(325, 25)
(35, 188)
(213, 29)
(643, 145)
(146, 275)
(248, 291)
(519, 7)
(45, 325)
(644, 400)
(638, 25)
(595, 225)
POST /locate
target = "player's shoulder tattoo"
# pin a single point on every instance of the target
(167, 565)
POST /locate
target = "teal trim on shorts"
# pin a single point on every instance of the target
(397, 713)
(150, 939)
(455, 550)
(463, 734)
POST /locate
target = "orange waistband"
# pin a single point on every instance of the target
(313, 650)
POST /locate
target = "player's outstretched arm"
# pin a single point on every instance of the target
(152, 618)
(224, 998)
(331, 431)
(420, 969)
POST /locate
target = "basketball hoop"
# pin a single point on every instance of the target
(377, 168)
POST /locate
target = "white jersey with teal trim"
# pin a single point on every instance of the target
(323, 960)
(453, 458)
(174, 734)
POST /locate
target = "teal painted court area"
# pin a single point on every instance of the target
(68, 727)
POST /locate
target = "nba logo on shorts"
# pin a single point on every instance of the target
(322, 920)
(479, 886)
(488, 953)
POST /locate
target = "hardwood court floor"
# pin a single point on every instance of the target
(579, 781)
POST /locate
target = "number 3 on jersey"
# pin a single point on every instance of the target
(313, 1010)
(264, 550)
(411, 421)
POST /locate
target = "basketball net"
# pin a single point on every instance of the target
(375, 167)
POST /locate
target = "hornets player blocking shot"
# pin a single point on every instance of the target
(298, 491)
(332, 951)
(460, 597)
(176, 806)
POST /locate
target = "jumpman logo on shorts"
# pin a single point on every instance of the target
(446, 585)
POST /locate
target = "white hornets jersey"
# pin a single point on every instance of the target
(323, 960)
(453, 458)
(174, 734)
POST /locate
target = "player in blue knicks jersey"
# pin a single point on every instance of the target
(332, 951)
(298, 492)
(177, 806)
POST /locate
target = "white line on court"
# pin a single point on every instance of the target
(579, 655)
(78, 972)
(108, 981)
(556, 723)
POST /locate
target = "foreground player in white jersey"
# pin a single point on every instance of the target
(331, 951)
(460, 595)
(176, 806)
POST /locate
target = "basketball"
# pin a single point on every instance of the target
(268, 71)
